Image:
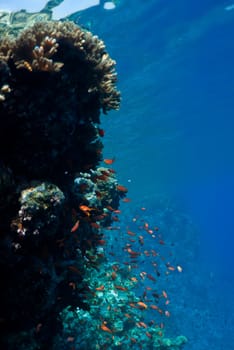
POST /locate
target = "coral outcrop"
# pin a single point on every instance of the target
(55, 80)
(57, 203)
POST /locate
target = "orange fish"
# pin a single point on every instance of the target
(105, 328)
(109, 161)
(148, 334)
(154, 307)
(126, 200)
(102, 287)
(85, 208)
(123, 289)
(121, 188)
(117, 211)
(76, 226)
(133, 279)
(141, 324)
(130, 233)
(142, 305)
(171, 268)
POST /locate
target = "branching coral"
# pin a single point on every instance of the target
(38, 46)
(41, 57)
(58, 77)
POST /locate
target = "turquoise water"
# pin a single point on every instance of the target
(173, 138)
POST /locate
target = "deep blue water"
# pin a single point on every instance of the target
(173, 138)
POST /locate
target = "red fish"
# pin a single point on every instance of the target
(101, 132)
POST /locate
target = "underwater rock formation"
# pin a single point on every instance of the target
(55, 79)
(57, 203)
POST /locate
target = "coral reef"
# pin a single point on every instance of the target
(57, 203)
(55, 80)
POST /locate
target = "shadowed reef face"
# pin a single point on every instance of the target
(55, 79)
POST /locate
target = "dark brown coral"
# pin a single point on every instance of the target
(58, 77)
(38, 47)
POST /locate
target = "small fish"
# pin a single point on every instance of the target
(110, 208)
(113, 275)
(94, 225)
(164, 294)
(121, 188)
(105, 328)
(109, 161)
(101, 242)
(130, 233)
(72, 285)
(148, 334)
(179, 268)
(101, 132)
(76, 226)
(167, 313)
(154, 307)
(150, 277)
(141, 324)
(123, 289)
(85, 208)
(171, 268)
(142, 305)
(38, 327)
(133, 279)
(126, 200)
(70, 339)
(133, 305)
(74, 269)
(102, 287)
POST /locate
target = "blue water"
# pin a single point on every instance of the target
(173, 138)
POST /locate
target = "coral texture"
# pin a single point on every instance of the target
(55, 79)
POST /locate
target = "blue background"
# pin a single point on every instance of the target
(173, 139)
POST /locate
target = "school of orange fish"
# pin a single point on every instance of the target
(120, 291)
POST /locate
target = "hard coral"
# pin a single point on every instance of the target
(69, 43)
(58, 77)
(55, 78)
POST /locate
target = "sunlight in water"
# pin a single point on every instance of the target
(64, 9)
